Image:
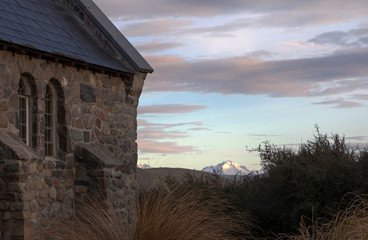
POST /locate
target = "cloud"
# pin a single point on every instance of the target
(357, 138)
(144, 123)
(335, 37)
(263, 135)
(273, 13)
(260, 54)
(169, 109)
(352, 38)
(174, 8)
(156, 27)
(350, 145)
(359, 145)
(150, 134)
(173, 27)
(315, 13)
(219, 30)
(340, 103)
(152, 146)
(152, 47)
(200, 129)
(149, 130)
(361, 96)
(296, 44)
(157, 133)
(340, 86)
(244, 75)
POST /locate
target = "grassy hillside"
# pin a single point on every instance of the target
(154, 177)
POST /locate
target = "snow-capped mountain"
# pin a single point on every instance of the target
(143, 165)
(228, 168)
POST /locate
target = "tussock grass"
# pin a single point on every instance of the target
(183, 214)
(94, 222)
(162, 214)
(193, 214)
(351, 223)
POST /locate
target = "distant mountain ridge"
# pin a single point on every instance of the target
(226, 168)
(230, 168)
(143, 165)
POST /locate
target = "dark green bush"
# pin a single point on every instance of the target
(309, 181)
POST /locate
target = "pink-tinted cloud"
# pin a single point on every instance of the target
(271, 13)
(242, 75)
(149, 133)
(149, 130)
(169, 109)
(160, 133)
(144, 123)
(152, 146)
(152, 47)
(154, 27)
(200, 129)
(340, 103)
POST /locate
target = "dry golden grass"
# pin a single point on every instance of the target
(93, 222)
(348, 224)
(195, 214)
(162, 214)
(188, 214)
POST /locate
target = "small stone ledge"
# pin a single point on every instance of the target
(12, 147)
(95, 157)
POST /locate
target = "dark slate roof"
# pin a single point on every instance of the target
(116, 36)
(50, 26)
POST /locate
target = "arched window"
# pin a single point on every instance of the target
(55, 137)
(50, 121)
(24, 111)
(26, 121)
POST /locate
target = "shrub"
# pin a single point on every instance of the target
(296, 183)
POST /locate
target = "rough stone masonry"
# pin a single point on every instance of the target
(68, 125)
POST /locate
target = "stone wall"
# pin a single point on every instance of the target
(96, 120)
(33, 192)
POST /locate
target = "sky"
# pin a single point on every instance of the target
(232, 74)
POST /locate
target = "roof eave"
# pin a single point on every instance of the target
(115, 36)
(60, 58)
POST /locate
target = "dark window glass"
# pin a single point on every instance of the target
(23, 112)
(49, 122)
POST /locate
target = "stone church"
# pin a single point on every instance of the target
(70, 84)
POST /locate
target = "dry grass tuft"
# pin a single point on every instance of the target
(93, 222)
(162, 214)
(188, 214)
(351, 223)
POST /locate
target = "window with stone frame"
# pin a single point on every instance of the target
(24, 111)
(55, 130)
(50, 121)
